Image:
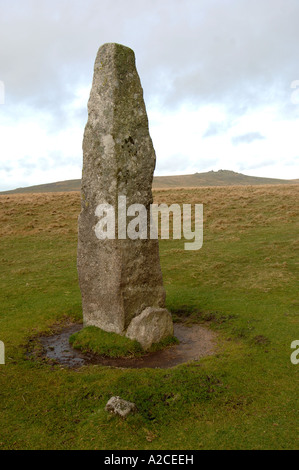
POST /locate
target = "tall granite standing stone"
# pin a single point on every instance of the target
(120, 279)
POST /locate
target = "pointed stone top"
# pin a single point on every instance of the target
(116, 45)
(112, 52)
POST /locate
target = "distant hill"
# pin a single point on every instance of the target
(60, 186)
(210, 178)
(215, 178)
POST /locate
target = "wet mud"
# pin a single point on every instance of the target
(195, 342)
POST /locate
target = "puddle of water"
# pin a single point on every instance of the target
(195, 342)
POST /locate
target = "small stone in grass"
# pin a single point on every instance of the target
(120, 407)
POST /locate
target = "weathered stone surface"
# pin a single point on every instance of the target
(122, 277)
(120, 407)
(151, 326)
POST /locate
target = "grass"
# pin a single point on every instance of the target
(94, 340)
(243, 284)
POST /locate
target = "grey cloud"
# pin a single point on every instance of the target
(247, 138)
(6, 168)
(27, 165)
(216, 128)
(211, 51)
(172, 164)
(237, 54)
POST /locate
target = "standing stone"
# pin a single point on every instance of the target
(118, 278)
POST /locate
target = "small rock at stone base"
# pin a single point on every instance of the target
(151, 326)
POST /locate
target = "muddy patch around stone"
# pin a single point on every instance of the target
(195, 342)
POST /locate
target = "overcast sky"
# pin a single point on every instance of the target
(220, 80)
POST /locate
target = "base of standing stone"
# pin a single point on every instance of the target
(151, 326)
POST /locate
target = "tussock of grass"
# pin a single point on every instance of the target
(171, 392)
(189, 315)
(94, 340)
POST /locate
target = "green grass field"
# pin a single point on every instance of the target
(243, 284)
